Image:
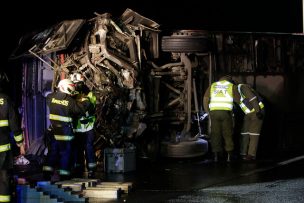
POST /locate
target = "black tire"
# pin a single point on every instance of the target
(184, 149)
(185, 44)
(148, 146)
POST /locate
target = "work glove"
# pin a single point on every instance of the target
(260, 115)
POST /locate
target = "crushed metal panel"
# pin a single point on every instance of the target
(54, 38)
(133, 18)
(28, 41)
(62, 35)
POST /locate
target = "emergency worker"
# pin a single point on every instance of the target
(253, 108)
(63, 109)
(84, 130)
(9, 123)
(218, 102)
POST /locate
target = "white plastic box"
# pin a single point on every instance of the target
(119, 160)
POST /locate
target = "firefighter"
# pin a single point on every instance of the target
(9, 122)
(218, 102)
(63, 109)
(84, 130)
(253, 108)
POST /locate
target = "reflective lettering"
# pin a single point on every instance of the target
(61, 102)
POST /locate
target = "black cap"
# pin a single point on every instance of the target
(226, 77)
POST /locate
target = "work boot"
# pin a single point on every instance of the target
(243, 157)
(229, 157)
(215, 156)
(47, 176)
(249, 158)
(91, 174)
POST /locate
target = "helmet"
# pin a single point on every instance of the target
(66, 86)
(77, 77)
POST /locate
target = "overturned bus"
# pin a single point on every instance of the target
(149, 84)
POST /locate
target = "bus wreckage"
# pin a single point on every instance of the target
(149, 86)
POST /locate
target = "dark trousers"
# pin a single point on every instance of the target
(250, 134)
(221, 130)
(60, 154)
(84, 151)
(6, 164)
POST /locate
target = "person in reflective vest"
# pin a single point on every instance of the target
(84, 130)
(254, 112)
(9, 123)
(63, 108)
(218, 102)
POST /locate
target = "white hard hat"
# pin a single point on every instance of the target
(77, 77)
(66, 86)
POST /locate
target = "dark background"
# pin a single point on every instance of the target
(282, 16)
(21, 17)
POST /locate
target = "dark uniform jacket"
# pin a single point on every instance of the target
(252, 98)
(9, 122)
(63, 110)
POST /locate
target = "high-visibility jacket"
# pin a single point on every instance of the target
(86, 123)
(245, 101)
(221, 96)
(9, 122)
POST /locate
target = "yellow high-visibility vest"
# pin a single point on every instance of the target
(221, 96)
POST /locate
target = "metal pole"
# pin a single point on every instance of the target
(196, 108)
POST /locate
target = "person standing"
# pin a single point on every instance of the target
(253, 108)
(218, 102)
(84, 130)
(9, 123)
(63, 109)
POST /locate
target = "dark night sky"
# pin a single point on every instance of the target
(216, 15)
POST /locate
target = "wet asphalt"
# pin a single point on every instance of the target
(201, 180)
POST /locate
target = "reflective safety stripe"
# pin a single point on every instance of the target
(5, 198)
(3, 123)
(60, 118)
(81, 127)
(83, 130)
(63, 137)
(255, 134)
(18, 138)
(47, 168)
(92, 165)
(220, 106)
(63, 172)
(5, 147)
(261, 105)
(222, 99)
(245, 109)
